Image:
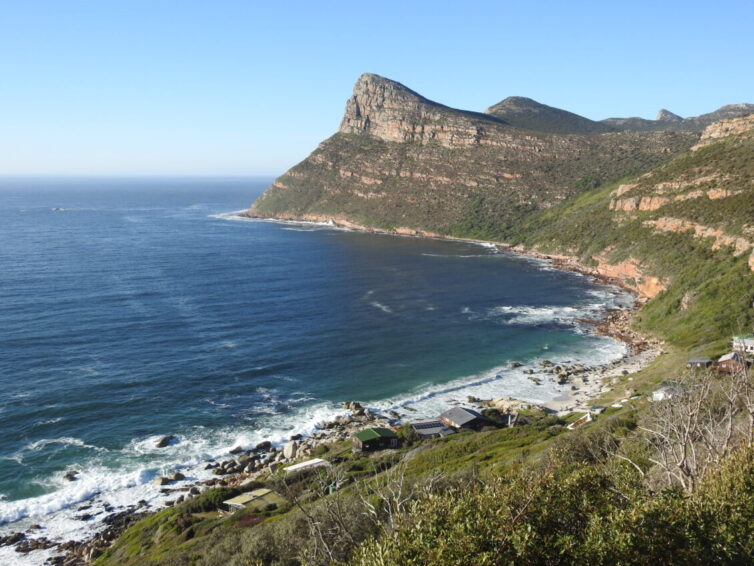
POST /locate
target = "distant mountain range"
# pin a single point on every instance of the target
(529, 114)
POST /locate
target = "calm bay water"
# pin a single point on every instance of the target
(129, 309)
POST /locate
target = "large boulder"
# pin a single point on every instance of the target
(290, 449)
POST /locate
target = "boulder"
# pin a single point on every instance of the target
(162, 480)
(263, 446)
(290, 448)
(515, 364)
(177, 476)
(237, 450)
(71, 475)
(164, 441)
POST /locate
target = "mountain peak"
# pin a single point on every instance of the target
(529, 114)
(388, 110)
(667, 116)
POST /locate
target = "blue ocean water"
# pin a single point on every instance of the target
(133, 308)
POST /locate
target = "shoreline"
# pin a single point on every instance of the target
(642, 350)
(239, 465)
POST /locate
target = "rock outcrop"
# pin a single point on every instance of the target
(401, 160)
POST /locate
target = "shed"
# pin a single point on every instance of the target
(461, 417)
(699, 363)
(584, 419)
(431, 429)
(730, 363)
(374, 439)
(241, 501)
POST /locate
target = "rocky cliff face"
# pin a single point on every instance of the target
(392, 112)
(401, 160)
(708, 195)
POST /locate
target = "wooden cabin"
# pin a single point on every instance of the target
(376, 438)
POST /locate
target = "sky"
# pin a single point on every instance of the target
(226, 87)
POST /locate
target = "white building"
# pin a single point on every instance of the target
(744, 343)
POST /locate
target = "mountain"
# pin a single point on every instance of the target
(400, 161)
(666, 120)
(529, 114)
(667, 212)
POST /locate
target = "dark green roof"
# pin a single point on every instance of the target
(372, 433)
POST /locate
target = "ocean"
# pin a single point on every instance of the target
(136, 308)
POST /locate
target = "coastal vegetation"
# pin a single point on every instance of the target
(664, 482)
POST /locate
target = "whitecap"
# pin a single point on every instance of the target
(383, 308)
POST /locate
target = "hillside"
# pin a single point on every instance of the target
(662, 482)
(401, 161)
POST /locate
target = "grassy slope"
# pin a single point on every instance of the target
(723, 283)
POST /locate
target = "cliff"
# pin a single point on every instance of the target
(401, 160)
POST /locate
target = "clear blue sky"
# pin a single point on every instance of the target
(250, 88)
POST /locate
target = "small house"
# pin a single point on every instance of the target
(461, 417)
(731, 363)
(744, 343)
(699, 363)
(431, 429)
(374, 439)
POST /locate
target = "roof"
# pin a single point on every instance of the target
(242, 499)
(246, 498)
(313, 463)
(744, 337)
(430, 428)
(461, 415)
(733, 356)
(699, 361)
(373, 433)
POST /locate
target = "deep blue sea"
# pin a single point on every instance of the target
(134, 308)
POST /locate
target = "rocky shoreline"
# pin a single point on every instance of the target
(581, 384)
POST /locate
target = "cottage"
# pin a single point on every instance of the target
(374, 439)
(699, 363)
(431, 429)
(744, 343)
(731, 363)
(461, 417)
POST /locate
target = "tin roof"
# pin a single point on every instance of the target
(461, 416)
(373, 433)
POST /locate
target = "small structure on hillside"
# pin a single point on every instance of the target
(376, 438)
(666, 392)
(461, 417)
(581, 421)
(258, 497)
(699, 363)
(431, 429)
(731, 363)
(308, 465)
(744, 343)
